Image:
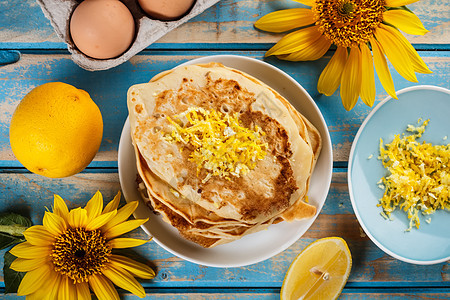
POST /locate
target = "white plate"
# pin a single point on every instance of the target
(255, 247)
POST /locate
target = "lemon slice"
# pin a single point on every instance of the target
(320, 271)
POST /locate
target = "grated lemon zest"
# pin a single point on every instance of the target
(221, 145)
(419, 179)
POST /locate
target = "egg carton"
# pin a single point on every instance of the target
(147, 30)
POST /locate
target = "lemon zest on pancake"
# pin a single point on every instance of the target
(419, 177)
(221, 145)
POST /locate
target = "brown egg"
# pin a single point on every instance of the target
(166, 9)
(102, 29)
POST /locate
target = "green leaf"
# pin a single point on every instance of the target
(14, 219)
(12, 226)
(12, 278)
(7, 240)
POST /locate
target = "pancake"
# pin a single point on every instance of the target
(211, 198)
(192, 221)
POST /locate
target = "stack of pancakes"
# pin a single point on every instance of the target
(206, 207)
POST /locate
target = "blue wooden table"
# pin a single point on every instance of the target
(226, 28)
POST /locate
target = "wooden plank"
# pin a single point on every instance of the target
(232, 21)
(108, 89)
(29, 194)
(23, 24)
(191, 295)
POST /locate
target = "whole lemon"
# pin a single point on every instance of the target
(56, 130)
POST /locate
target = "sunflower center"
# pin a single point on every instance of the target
(348, 23)
(79, 253)
(346, 8)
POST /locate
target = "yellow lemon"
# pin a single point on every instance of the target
(56, 130)
(320, 271)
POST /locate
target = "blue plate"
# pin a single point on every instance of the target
(430, 243)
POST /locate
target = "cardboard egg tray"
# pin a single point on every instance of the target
(147, 30)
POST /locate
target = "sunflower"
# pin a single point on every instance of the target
(72, 251)
(355, 27)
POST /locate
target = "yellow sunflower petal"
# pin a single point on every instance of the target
(32, 297)
(313, 51)
(126, 243)
(60, 207)
(306, 2)
(53, 278)
(67, 290)
(123, 279)
(26, 265)
(101, 220)
(294, 41)
(286, 19)
(122, 215)
(396, 3)
(56, 283)
(45, 291)
(113, 204)
(123, 228)
(29, 251)
(33, 280)
(83, 292)
(382, 68)
(418, 64)
(40, 294)
(94, 206)
(398, 56)
(103, 288)
(72, 290)
(368, 77)
(54, 223)
(405, 21)
(77, 217)
(330, 78)
(135, 268)
(351, 79)
(38, 236)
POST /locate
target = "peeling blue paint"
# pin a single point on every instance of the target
(9, 57)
